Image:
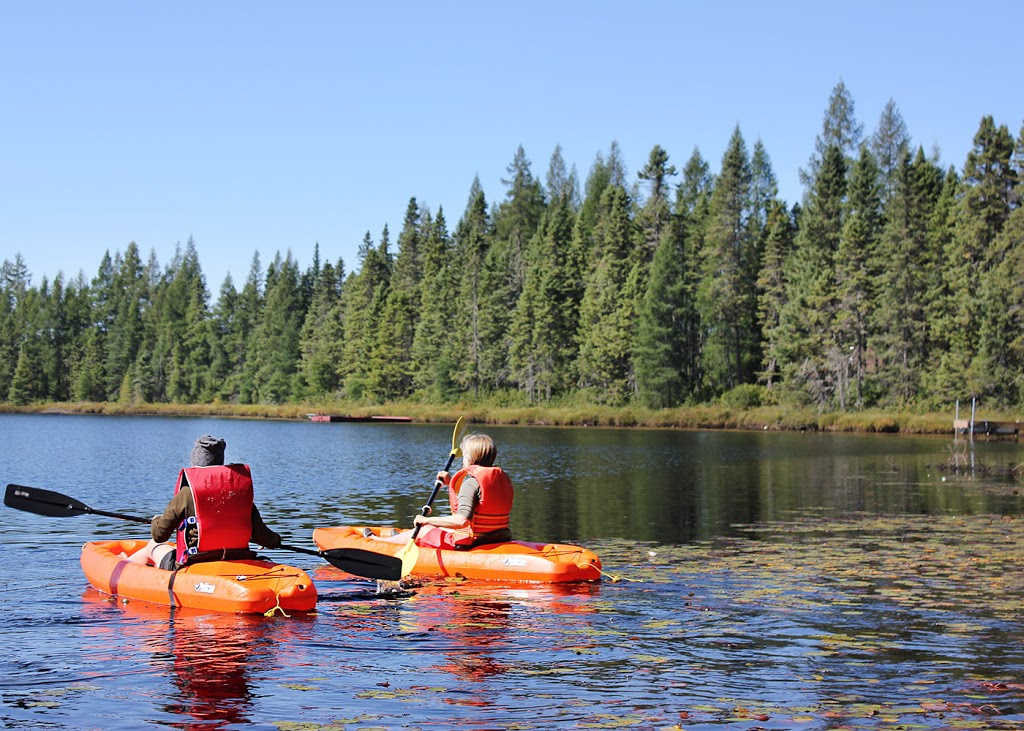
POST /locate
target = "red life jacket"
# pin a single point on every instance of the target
(223, 499)
(495, 506)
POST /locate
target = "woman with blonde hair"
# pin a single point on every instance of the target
(480, 497)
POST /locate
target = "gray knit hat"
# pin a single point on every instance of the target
(208, 451)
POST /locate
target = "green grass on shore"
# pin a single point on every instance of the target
(760, 418)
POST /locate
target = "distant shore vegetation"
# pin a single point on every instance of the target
(690, 297)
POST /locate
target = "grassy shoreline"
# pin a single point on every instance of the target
(763, 418)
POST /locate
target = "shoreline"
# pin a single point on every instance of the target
(704, 417)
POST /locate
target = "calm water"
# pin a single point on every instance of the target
(674, 643)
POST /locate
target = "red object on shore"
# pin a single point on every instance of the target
(341, 417)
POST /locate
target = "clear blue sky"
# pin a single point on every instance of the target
(257, 126)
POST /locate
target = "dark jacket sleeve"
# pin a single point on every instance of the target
(261, 534)
(180, 507)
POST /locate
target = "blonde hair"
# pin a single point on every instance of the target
(479, 449)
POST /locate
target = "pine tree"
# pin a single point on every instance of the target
(840, 129)
(322, 336)
(660, 355)
(904, 263)
(726, 297)
(855, 256)
(1000, 359)
(807, 353)
(364, 295)
(692, 209)
(237, 317)
(275, 343)
(988, 190)
(432, 353)
(472, 240)
(543, 325)
(607, 314)
(127, 298)
(890, 143)
(771, 286)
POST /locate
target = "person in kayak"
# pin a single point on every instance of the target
(212, 511)
(480, 496)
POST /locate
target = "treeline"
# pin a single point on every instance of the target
(894, 283)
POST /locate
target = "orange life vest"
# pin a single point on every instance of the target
(223, 499)
(495, 507)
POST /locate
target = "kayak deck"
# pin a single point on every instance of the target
(512, 561)
(252, 586)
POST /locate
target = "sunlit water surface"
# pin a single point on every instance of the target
(753, 581)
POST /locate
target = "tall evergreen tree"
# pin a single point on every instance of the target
(855, 255)
(771, 286)
(904, 262)
(607, 314)
(543, 325)
(322, 336)
(364, 296)
(727, 298)
(807, 320)
(840, 129)
(660, 356)
(989, 183)
(693, 206)
(432, 355)
(275, 344)
(472, 240)
(128, 298)
(890, 143)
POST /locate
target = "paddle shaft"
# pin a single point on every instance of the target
(438, 484)
(54, 504)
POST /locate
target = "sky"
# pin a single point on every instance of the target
(270, 128)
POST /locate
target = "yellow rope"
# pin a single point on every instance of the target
(270, 612)
(616, 578)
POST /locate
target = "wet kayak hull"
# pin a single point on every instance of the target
(516, 561)
(249, 587)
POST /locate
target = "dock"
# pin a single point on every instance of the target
(328, 418)
(986, 428)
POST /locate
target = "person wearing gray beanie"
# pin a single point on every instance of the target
(207, 452)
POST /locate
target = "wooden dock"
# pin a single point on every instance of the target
(985, 428)
(328, 418)
(988, 428)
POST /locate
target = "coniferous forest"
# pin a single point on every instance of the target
(896, 282)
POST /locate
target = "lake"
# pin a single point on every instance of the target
(753, 580)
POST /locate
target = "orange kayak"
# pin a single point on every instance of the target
(251, 586)
(512, 561)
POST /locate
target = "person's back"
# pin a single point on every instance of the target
(212, 512)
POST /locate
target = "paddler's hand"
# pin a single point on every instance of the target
(444, 478)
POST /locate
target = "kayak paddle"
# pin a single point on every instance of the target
(410, 552)
(355, 561)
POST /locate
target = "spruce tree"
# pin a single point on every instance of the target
(726, 297)
(275, 342)
(855, 256)
(890, 142)
(771, 287)
(607, 314)
(807, 353)
(432, 354)
(322, 336)
(988, 190)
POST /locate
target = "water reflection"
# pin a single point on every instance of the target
(201, 664)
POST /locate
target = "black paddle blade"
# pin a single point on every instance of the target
(356, 561)
(365, 563)
(43, 502)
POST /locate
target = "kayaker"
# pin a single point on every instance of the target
(232, 519)
(480, 496)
